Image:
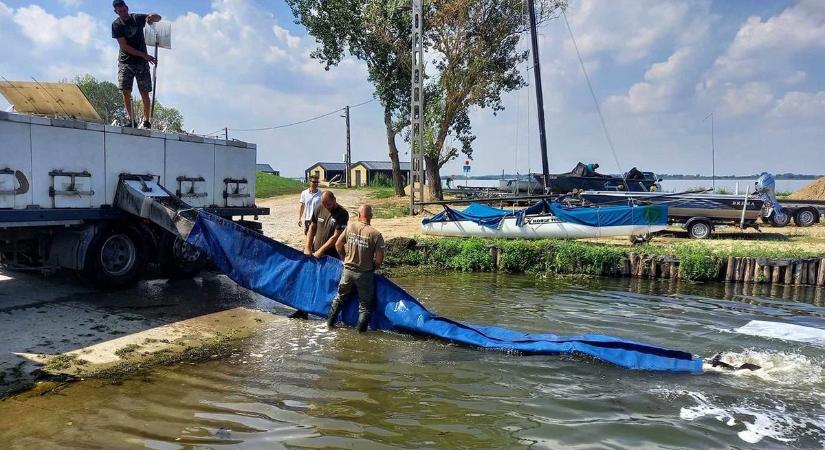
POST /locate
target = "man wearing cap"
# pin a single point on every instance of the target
(133, 61)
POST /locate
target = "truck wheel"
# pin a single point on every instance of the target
(116, 257)
(806, 217)
(699, 229)
(779, 220)
(178, 259)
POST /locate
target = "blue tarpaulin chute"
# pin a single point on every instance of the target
(601, 216)
(286, 275)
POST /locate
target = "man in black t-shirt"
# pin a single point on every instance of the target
(133, 61)
(326, 225)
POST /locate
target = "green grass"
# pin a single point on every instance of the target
(698, 261)
(267, 185)
(382, 192)
(390, 211)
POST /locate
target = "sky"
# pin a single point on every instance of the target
(658, 69)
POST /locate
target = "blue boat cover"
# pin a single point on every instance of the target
(288, 276)
(610, 216)
(602, 216)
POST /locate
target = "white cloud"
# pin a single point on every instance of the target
(749, 98)
(285, 36)
(795, 105)
(629, 31)
(45, 29)
(766, 48)
(71, 3)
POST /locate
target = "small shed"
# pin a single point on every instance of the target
(326, 171)
(266, 168)
(364, 173)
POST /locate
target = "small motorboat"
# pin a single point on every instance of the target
(547, 220)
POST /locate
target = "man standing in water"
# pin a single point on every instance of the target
(363, 249)
(310, 201)
(133, 61)
(326, 225)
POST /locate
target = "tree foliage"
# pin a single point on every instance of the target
(376, 32)
(107, 100)
(471, 46)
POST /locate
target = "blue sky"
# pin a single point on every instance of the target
(658, 67)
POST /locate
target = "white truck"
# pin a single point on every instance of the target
(59, 181)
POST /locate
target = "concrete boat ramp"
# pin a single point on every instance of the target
(55, 328)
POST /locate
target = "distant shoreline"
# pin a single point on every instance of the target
(663, 177)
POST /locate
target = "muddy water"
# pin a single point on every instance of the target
(299, 385)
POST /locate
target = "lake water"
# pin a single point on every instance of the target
(684, 185)
(300, 385)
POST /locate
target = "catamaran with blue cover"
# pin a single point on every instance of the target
(547, 219)
(285, 275)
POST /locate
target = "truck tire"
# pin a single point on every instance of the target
(699, 229)
(806, 217)
(779, 220)
(179, 260)
(116, 257)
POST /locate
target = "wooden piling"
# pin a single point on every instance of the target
(820, 277)
(766, 273)
(626, 266)
(748, 270)
(729, 270)
(775, 276)
(812, 269)
(789, 273)
(797, 273)
(654, 266)
(803, 276)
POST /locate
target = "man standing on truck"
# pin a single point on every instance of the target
(133, 61)
(362, 247)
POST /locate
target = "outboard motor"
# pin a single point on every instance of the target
(766, 191)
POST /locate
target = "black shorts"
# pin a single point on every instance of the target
(128, 73)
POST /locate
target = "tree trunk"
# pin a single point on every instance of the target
(433, 176)
(397, 175)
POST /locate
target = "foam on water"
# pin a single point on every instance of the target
(780, 368)
(784, 331)
(758, 420)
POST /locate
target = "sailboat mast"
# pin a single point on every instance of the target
(545, 166)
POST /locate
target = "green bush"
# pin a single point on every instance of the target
(522, 256)
(473, 256)
(381, 180)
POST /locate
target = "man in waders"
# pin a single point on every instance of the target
(133, 61)
(362, 247)
(326, 225)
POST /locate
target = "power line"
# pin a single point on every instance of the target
(276, 127)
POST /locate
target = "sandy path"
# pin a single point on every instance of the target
(281, 223)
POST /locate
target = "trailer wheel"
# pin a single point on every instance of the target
(116, 257)
(639, 239)
(178, 259)
(699, 229)
(779, 220)
(806, 217)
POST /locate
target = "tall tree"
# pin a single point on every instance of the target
(378, 33)
(107, 100)
(474, 47)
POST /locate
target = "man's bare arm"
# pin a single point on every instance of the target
(339, 244)
(330, 243)
(379, 258)
(134, 52)
(301, 215)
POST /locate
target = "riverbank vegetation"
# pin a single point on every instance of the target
(697, 261)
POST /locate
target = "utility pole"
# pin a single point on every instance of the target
(545, 166)
(712, 150)
(349, 155)
(417, 110)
